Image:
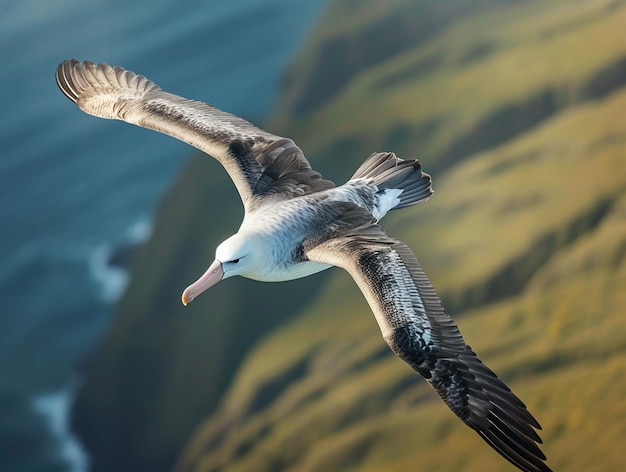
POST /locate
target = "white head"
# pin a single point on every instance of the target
(235, 256)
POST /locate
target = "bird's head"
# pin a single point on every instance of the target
(235, 256)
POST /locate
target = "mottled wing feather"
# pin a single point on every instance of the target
(418, 329)
(258, 162)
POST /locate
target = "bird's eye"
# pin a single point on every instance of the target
(234, 261)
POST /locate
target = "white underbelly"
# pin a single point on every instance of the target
(291, 272)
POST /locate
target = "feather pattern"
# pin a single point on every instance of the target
(417, 328)
(259, 163)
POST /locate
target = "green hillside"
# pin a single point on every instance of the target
(517, 111)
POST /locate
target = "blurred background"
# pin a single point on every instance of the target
(516, 109)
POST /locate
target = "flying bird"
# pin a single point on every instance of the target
(296, 224)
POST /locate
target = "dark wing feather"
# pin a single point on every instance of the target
(258, 162)
(418, 329)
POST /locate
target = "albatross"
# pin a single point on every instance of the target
(296, 224)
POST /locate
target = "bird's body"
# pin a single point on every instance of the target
(278, 229)
(297, 223)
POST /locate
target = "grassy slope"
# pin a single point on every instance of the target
(500, 57)
(530, 232)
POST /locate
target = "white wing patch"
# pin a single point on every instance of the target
(387, 200)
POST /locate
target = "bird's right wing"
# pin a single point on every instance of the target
(258, 162)
(418, 329)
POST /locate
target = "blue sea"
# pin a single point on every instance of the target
(73, 188)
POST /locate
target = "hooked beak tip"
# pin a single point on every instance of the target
(212, 276)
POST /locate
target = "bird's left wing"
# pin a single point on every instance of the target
(418, 329)
(258, 162)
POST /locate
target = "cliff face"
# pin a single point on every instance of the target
(517, 110)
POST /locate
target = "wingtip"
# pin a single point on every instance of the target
(64, 79)
(96, 88)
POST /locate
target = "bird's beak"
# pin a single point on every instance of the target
(213, 275)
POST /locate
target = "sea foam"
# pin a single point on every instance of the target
(113, 278)
(54, 407)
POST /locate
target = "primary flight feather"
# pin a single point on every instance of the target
(296, 224)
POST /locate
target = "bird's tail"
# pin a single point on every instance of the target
(388, 172)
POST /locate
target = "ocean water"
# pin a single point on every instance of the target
(73, 187)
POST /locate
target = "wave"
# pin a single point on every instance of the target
(108, 270)
(111, 279)
(140, 230)
(54, 407)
